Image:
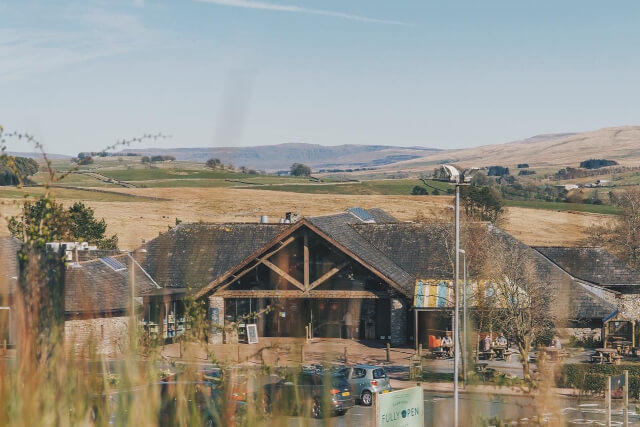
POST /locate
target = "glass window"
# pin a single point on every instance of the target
(359, 373)
(379, 373)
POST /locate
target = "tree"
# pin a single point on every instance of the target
(85, 227)
(622, 235)
(299, 169)
(48, 221)
(42, 219)
(520, 295)
(214, 163)
(482, 203)
(419, 191)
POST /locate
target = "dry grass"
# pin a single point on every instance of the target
(135, 220)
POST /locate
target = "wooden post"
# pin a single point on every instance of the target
(302, 353)
(415, 327)
(306, 261)
(238, 352)
(420, 350)
(625, 420)
(388, 353)
(346, 357)
(607, 402)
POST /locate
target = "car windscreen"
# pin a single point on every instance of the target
(339, 381)
(379, 373)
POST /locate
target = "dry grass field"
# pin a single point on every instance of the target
(136, 219)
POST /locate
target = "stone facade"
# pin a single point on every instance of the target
(581, 334)
(215, 315)
(103, 336)
(629, 306)
(398, 322)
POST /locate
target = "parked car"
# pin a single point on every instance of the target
(313, 393)
(201, 394)
(365, 380)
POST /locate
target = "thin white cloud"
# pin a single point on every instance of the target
(249, 4)
(96, 34)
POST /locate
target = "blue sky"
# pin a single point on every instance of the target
(82, 74)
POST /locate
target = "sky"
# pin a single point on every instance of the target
(83, 74)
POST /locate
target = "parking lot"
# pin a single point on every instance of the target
(438, 410)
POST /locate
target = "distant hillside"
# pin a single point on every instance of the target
(281, 156)
(37, 155)
(621, 144)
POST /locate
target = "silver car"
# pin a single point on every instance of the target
(366, 380)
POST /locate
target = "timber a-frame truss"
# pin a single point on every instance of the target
(303, 286)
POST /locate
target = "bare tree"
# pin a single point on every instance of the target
(521, 296)
(622, 235)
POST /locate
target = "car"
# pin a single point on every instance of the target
(202, 394)
(366, 380)
(317, 394)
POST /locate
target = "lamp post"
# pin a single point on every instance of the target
(464, 316)
(452, 174)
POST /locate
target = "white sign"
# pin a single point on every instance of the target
(402, 408)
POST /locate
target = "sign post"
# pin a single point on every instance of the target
(401, 408)
(618, 388)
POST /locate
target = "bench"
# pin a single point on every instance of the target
(616, 359)
(597, 358)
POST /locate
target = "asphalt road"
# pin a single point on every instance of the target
(438, 410)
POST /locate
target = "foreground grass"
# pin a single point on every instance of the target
(559, 206)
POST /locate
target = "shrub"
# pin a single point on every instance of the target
(597, 163)
(419, 191)
(523, 165)
(526, 172)
(592, 378)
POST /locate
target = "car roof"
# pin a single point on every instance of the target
(368, 367)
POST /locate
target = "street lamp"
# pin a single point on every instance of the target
(451, 174)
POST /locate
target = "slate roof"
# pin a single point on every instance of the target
(573, 300)
(193, 255)
(94, 287)
(340, 227)
(593, 265)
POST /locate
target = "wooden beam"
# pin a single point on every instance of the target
(280, 272)
(259, 261)
(306, 260)
(300, 294)
(326, 276)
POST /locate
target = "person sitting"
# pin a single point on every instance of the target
(502, 340)
(447, 343)
(485, 344)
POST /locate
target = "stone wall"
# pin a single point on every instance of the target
(581, 333)
(104, 336)
(629, 306)
(215, 315)
(398, 322)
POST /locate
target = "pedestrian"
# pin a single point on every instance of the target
(447, 343)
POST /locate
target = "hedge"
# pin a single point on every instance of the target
(592, 378)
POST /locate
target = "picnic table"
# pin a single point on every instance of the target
(606, 353)
(555, 353)
(622, 346)
(499, 350)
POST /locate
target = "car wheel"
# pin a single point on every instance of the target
(366, 398)
(316, 409)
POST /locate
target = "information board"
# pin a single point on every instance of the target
(252, 334)
(402, 408)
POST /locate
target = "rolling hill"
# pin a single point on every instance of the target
(621, 144)
(281, 156)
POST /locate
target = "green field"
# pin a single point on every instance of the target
(559, 206)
